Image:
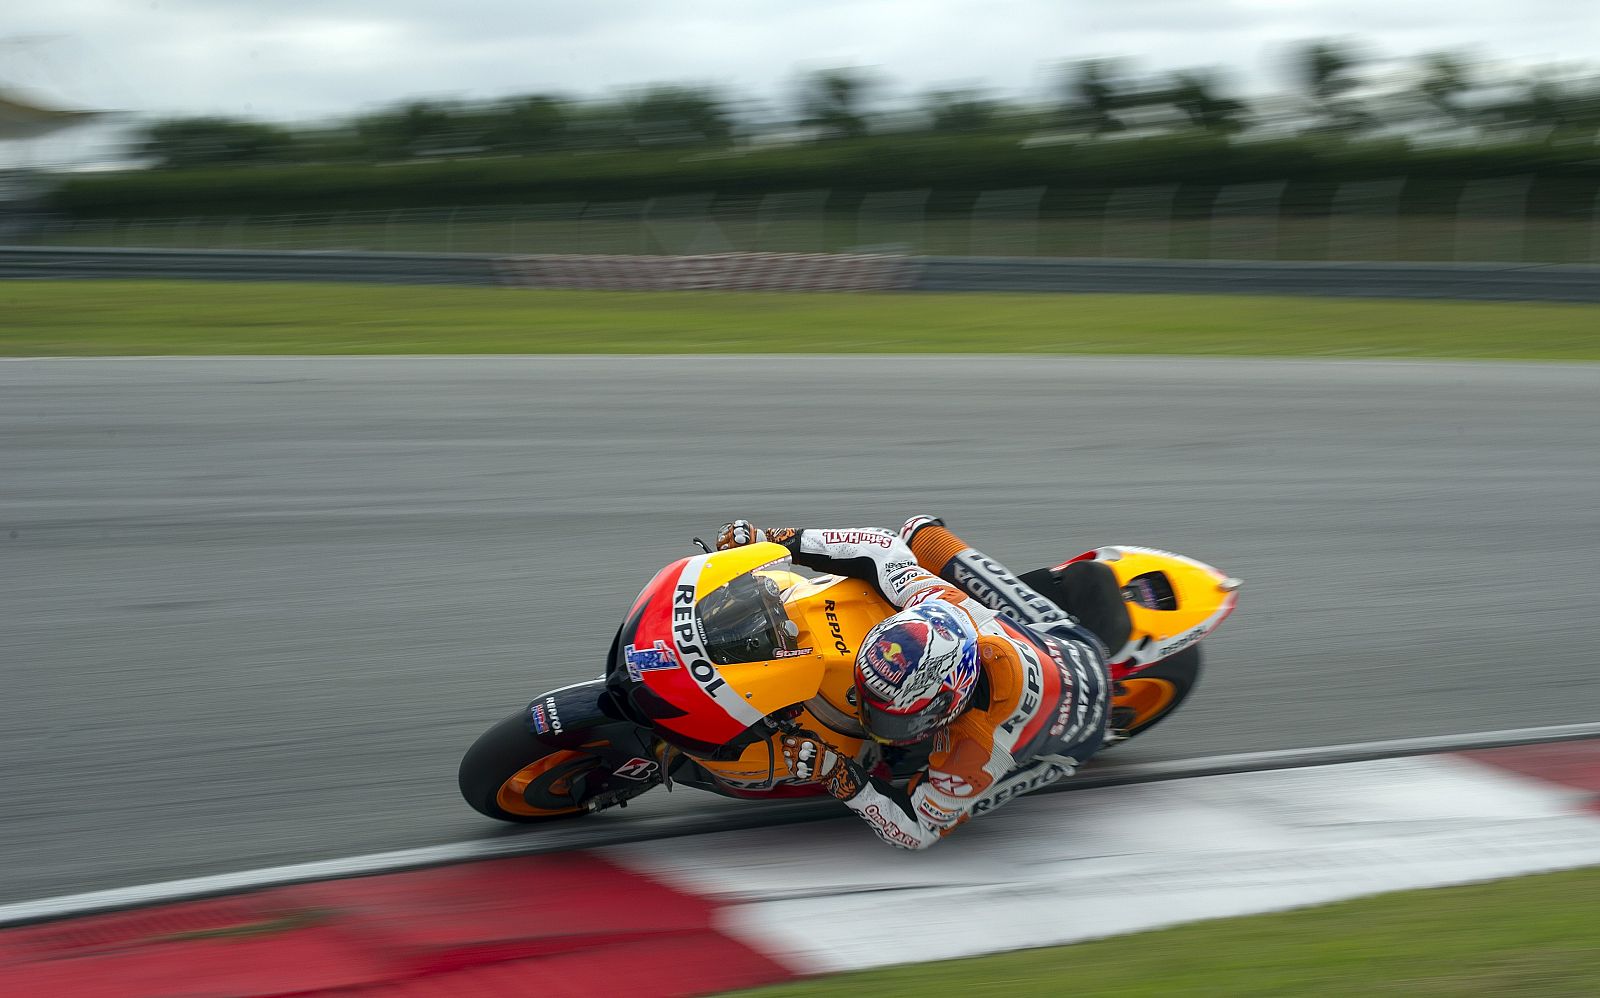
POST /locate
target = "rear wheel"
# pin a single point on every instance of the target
(511, 775)
(1149, 696)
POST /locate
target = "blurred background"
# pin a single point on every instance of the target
(255, 608)
(1253, 131)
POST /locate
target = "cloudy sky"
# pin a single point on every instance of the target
(304, 59)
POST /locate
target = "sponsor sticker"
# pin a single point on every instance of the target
(1070, 685)
(830, 613)
(901, 574)
(891, 656)
(1016, 788)
(887, 829)
(875, 538)
(636, 769)
(991, 584)
(690, 648)
(951, 785)
(652, 659)
(538, 718)
(1032, 687)
(1172, 648)
(935, 814)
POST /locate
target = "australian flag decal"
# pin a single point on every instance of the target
(642, 660)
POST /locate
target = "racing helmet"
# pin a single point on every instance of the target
(915, 672)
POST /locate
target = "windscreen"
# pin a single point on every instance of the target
(744, 621)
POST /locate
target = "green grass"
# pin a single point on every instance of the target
(46, 318)
(1533, 936)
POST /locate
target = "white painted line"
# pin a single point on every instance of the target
(557, 838)
(1332, 755)
(625, 830)
(825, 898)
(194, 887)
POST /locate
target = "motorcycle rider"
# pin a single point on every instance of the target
(1012, 691)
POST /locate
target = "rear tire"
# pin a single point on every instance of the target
(1151, 695)
(511, 775)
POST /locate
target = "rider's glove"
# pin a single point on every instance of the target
(739, 533)
(812, 760)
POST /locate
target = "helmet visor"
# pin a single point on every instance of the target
(890, 728)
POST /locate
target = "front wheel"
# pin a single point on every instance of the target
(1150, 695)
(511, 775)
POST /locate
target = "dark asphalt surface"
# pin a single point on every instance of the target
(253, 610)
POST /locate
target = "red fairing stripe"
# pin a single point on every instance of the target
(655, 585)
(1086, 556)
(1048, 697)
(706, 720)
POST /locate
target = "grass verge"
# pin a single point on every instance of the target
(1533, 935)
(84, 318)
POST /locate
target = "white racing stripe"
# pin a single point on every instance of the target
(690, 641)
(1112, 861)
(651, 829)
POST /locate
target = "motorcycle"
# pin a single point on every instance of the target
(681, 702)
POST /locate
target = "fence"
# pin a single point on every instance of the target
(1363, 220)
(824, 272)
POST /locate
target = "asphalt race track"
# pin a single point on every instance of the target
(253, 610)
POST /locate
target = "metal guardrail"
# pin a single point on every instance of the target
(1480, 281)
(1474, 281)
(50, 263)
(1493, 219)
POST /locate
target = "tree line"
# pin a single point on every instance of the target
(1338, 94)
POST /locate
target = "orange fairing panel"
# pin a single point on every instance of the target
(771, 686)
(1204, 597)
(832, 615)
(722, 567)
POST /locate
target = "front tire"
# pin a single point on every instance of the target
(511, 775)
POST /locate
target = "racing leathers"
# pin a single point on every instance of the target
(1041, 703)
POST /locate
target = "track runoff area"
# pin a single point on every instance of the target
(680, 905)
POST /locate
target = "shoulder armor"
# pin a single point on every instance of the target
(1001, 665)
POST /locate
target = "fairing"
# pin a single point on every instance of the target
(670, 644)
(718, 713)
(1172, 602)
